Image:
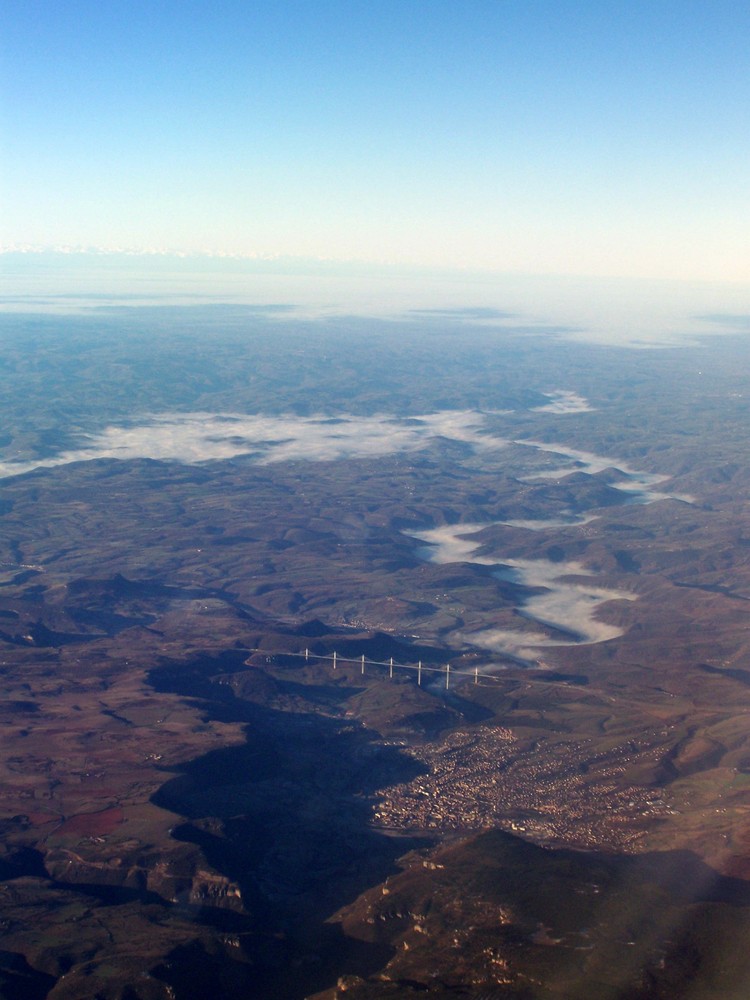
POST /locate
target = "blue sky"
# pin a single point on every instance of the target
(522, 136)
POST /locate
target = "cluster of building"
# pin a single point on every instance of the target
(549, 790)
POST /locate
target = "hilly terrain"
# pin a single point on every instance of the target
(367, 659)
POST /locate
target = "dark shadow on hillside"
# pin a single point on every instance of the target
(285, 817)
(18, 981)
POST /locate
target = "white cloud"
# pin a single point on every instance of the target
(555, 522)
(192, 438)
(450, 544)
(634, 482)
(563, 604)
(202, 437)
(564, 401)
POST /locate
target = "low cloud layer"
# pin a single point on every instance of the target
(565, 604)
(564, 401)
(552, 522)
(634, 482)
(192, 438)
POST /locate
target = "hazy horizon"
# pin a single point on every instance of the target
(628, 312)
